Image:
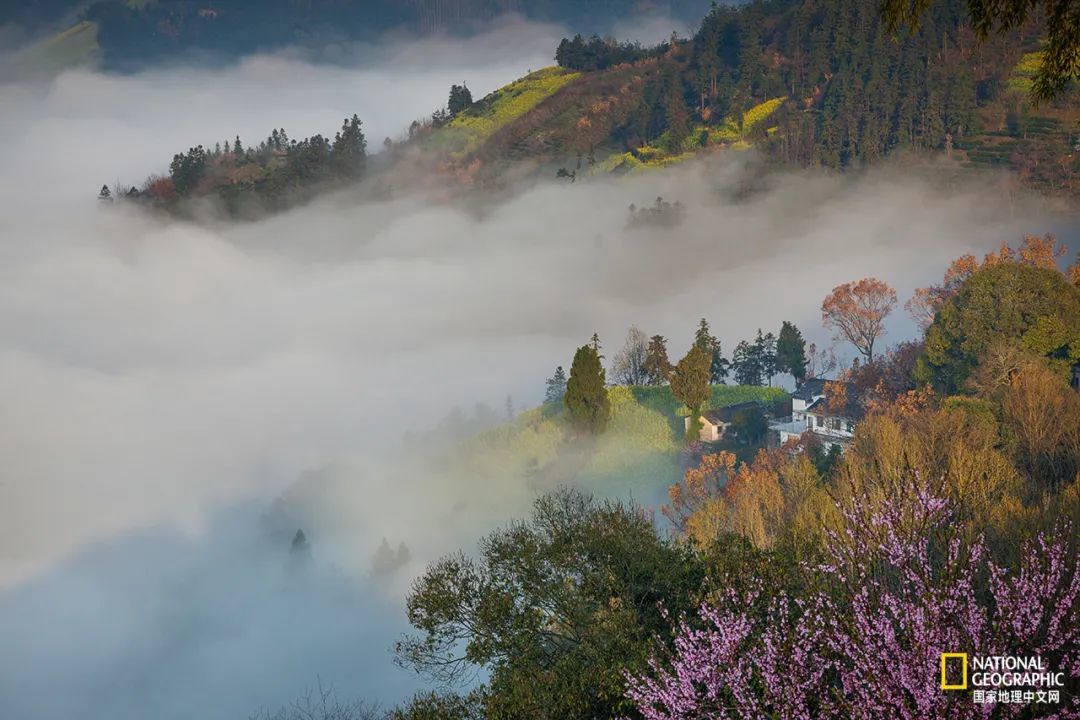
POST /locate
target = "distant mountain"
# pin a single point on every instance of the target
(805, 83)
(132, 34)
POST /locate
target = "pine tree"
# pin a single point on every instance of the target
(791, 352)
(746, 362)
(586, 398)
(460, 99)
(676, 115)
(657, 366)
(765, 350)
(556, 387)
(349, 150)
(718, 366)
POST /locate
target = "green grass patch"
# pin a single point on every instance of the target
(637, 455)
(463, 135)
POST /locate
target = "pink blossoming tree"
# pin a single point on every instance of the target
(899, 589)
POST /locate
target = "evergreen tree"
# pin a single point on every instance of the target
(791, 352)
(460, 99)
(676, 115)
(690, 385)
(765, 351)
(718, 366)
(349, 150)
(556, 387)
(586, 397)
(187, 169)
(657, 366)
(238, 149)
(746, 362)
(105, 195)
(595, 342)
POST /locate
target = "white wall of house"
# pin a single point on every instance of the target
(708, 432)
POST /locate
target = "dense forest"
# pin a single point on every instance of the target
(851, 91)
(272, 175)
(808, 84)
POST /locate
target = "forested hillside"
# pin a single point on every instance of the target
(816, 84)
(806, 83)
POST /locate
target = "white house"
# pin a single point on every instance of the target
(810, 413)
(715, 423)
(831, 426)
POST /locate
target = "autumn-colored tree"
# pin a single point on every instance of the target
(776, 498)
(879, 384)
(700, 485)
(690, 385)
(1073, 273)
(925, 302)
(836, 397)
(1042, 416)
(955, 450)
(755, 499)
(857, 312)
(1041, 251)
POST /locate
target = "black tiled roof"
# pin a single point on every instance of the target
(727, 414)
(810, 389)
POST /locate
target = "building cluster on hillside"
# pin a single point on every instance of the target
(813, 411)
(813, 408)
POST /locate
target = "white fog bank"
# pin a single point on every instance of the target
(163, 383)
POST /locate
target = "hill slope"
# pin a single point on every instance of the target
(807, 84)
(639, 453)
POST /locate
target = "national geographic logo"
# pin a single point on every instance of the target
(1002, 678)
(958, 663)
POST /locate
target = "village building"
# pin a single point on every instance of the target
(716, 423)
(811, 412)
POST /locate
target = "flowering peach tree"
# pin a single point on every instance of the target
(898, 589)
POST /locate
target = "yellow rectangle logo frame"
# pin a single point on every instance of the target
(964, 660)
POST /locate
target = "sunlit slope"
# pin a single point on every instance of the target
(637, 455)
(469, 130)
(588, 121)
(78, 45)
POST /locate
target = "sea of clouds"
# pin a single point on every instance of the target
(162, 383)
